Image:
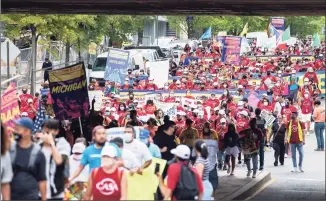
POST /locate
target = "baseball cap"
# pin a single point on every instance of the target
(182, 151)
(245, 113)
(221, 112)
(306, 79)
(240, 103)
(78, 148)
(144, 133)
(25, 122)
(265, 94)
(181, 113)
(215, 83)
(223, 120)
(24, 114)
(109, 150)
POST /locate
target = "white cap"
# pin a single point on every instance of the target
(151, 79)
(193, 106)
(107, 109)
(215, 83)
(216, 108)
(240, 87)
(117, 96)
(294, 71)
(245, 113)
(177, 100)
(306, 79)
(223, 120)
(30, 100)
(201, 113)
(78, 148)
(181, 113)
(182, 151)
(178, 82)
(279, 72)
(265, 94)
(24, 114)
(288, 67)
(196, 111)
(110, 151)
(222, 112)
(240, 103)
(310, 69)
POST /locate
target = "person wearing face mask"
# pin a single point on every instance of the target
(130, 100)
(126, 84)
(307, 87)
(171, 98)
(149, 108)
(213, 101)
(311, 75)
(278, 89)
(288, 108)
(199, 123)
(98, 178)
(159, 117)
(29, 164)
(243, 81)
(306, 109)
(279, 140)
(56, 150)
(150, 85)
(91, 155)
(145, 138)
(266, 106)
(24, 98)
(74, 161)
(180, 123)
(295, 136)
(239, 109)
(189, 134)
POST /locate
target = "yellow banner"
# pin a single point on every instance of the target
(66, 74)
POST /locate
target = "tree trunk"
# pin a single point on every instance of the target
(34, 52)
(67, 53)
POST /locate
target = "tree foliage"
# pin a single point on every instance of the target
(301, 26)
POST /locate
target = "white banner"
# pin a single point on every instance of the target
(168, 108)
(159, 71)
(98, 96)
(187, 101)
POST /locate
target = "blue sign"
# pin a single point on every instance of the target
(116, 65)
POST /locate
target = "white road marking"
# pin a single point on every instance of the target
(303, 179)
(301, 191)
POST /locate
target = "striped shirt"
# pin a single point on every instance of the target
(208, 167)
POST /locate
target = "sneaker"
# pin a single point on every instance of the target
(224, 167)
(301, 170)
(254, 175)
(322, 149)
(249, 173)
(220, 166)
(285, 155)
(282, 163)
(232, 173)
(295, 170)
(229, 170)
(261, 168)
(276, 163)
(318, 149)
(239, 162)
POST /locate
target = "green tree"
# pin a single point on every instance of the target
(301, 26)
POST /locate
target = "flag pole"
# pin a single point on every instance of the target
(81, 128)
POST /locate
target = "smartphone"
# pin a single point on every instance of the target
(157, 168)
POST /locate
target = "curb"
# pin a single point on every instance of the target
(249, 189)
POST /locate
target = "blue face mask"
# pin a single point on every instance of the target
(145, 141)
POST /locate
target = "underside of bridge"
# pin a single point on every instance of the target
(167, 7)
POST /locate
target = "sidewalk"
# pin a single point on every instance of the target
(239, 186)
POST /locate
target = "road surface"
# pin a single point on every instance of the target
(286, 185)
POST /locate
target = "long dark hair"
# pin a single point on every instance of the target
(5, 143)
(231, 128)
(201, 147)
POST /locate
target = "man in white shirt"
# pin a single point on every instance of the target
(129, 159)
(74, 162)
(138, 148)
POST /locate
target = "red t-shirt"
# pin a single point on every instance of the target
(295, 134)
(174, 175)
(106, 186)
(149, 109)
(242, 124)
(23, 99)
(180, 125)
(288, 111)
(199, 124)
(306, 106)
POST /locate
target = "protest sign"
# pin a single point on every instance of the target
(69, 92)
(278, 23)
(268, 117)
(187, 101)
(116, 65)
(168, 108)
(160, 72)
(98, 96)
(9, 107)
(231, 50)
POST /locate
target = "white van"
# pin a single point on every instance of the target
(96, 71)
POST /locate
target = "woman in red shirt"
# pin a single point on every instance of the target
(150, 107)
(107, 182)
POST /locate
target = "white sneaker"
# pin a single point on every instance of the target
(295, 170)
(249, 173)
(285, 155)
(254, 175)
(229, 169)
(301, 170)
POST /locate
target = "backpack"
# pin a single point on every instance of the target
(187, 188)
(31, 162)
(261, 124)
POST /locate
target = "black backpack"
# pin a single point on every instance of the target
(187, 188)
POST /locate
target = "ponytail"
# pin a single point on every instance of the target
(201, 147)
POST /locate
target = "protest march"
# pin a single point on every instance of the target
(164, 131)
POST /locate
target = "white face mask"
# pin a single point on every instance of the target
(224, 85)
(240, 107)
(151, 82)
(265, 103)
(166, 87)
(126, 82)
(128, 138)
(122, 108)
(306, 95)
(277, 84)
(77, 157)
(107, 162)
(306, 83)
(225, 93)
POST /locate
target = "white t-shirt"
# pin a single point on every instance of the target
(73, 166)
(140, 150)
(63, 148)
(6, 170)
(129, 159)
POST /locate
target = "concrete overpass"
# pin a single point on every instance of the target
(166, 7)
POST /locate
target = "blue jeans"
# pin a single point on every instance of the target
(294, 148)
(319, 131)
(208, 190)
(261, 153)
(221, 157)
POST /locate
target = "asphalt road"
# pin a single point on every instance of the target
(286, 185)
